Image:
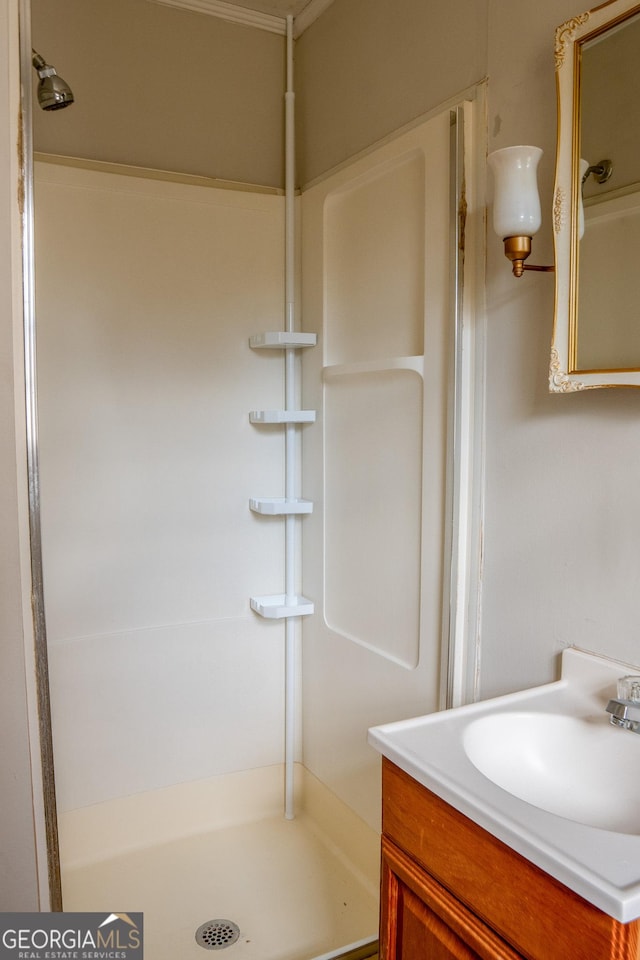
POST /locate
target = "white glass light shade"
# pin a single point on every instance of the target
(516, 204)
(583, 166)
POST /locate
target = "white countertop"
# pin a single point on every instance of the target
(601, 865)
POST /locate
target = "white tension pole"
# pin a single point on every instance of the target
(291, 441)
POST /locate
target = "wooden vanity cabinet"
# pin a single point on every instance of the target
(452, 891)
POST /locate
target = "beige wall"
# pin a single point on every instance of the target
(562, 524)
(367, 67)
(177, 90)
(165, 88)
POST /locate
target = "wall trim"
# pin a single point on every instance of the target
(149, 173)
(252, 18)
(230, 12)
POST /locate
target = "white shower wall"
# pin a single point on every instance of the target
(375, 250)
(147, 293)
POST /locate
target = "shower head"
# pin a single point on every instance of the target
(53, 92)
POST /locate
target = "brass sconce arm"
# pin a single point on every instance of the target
(517, 249)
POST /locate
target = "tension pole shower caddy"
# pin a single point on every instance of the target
(289, 605)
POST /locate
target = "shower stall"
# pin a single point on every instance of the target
(211, 764)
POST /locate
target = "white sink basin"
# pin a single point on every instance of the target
(578, 768)
(544, 771)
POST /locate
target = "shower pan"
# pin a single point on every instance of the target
(286, 889)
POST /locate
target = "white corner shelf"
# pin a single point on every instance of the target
(281, 339)
(279, 606)
(282, 416)
(279, 506)
(283, 606)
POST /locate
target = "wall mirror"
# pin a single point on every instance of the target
(596, 209)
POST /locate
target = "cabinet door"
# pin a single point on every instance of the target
(420, 920)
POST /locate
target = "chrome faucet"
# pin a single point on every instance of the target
(625, 709)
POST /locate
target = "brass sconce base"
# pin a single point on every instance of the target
(517, 249)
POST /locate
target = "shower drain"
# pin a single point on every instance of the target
(217, 934)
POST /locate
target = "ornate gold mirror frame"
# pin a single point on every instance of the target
(567, 374)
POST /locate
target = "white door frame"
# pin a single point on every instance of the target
(28, 829)
(465, 443)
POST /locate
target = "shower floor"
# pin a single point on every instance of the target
(293, 895)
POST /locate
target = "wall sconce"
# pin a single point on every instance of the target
(516, 206)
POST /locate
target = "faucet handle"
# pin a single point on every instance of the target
(625, 710)
(629, 689)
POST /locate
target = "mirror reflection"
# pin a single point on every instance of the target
(596, 203)
(607, 319)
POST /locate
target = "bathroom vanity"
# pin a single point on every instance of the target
(452, 890)
(501, 835)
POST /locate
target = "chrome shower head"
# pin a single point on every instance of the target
(53, 92)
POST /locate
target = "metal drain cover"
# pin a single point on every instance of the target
(217, 934)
